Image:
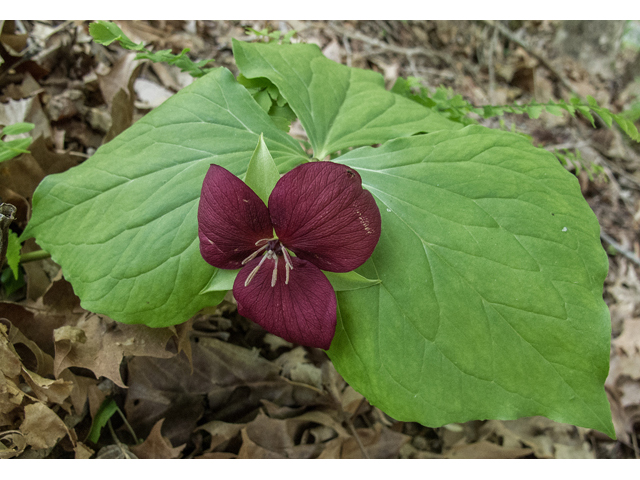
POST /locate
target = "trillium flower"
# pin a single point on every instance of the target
(323, 220)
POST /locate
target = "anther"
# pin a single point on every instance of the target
(254, 254)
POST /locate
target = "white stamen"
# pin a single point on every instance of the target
(255, 270)
(286, 269)
(263, 240)
(287, 258)
(274, 275)
(254, 254)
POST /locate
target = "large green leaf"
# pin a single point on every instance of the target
(492, 270)
(338, 106)
(123, 224)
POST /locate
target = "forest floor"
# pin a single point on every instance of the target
(219, 386)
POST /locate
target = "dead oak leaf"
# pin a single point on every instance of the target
(157, 446)
(99, 344)
(41, 427)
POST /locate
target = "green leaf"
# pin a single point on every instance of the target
(18, 128)
(534, 111)
(338, 106)
(553, 110)
(492, 275)
(262, 172)
(342, 282)
(263, 99)
(221, 281)
(105, 33)
(105, 412)
(9, 283)
(13, 253)
(123, 224)
(13, 148)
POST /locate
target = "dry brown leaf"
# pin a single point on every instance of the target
(30, 353)
(38, 319)
(82, 451)
(171, 76)
(120, 77)
(629, 340)
(117, 91)
(10, 365)
(221, 433)
(150, 94)
(12, 443)
(115, 452)
(546, 438)
(157, 446)
(232, 379)
(249, 449)
(47, 390)
(211, 455)
(41, 427)
(378, 442)
(351, 400)
(99, 344)
(485, 449)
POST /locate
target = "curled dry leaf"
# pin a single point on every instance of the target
(47, 390)
(12, 443)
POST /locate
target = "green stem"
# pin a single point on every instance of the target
(34, 256)
(128, 425)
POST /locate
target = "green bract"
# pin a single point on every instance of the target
(491, 303)
(123, 224)
(483, 298)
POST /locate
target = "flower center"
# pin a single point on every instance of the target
(272, 250)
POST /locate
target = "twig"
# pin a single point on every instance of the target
(619, 248)
(509, 35)
(357, 437)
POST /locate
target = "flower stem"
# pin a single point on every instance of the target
(34, 256)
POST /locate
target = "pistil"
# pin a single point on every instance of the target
(273, 249)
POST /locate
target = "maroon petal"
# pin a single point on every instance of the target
(231, 219)
(321, 212)
(302, 311)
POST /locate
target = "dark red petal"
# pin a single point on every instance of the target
(321, 212)
(231, 219)
(303, 311)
